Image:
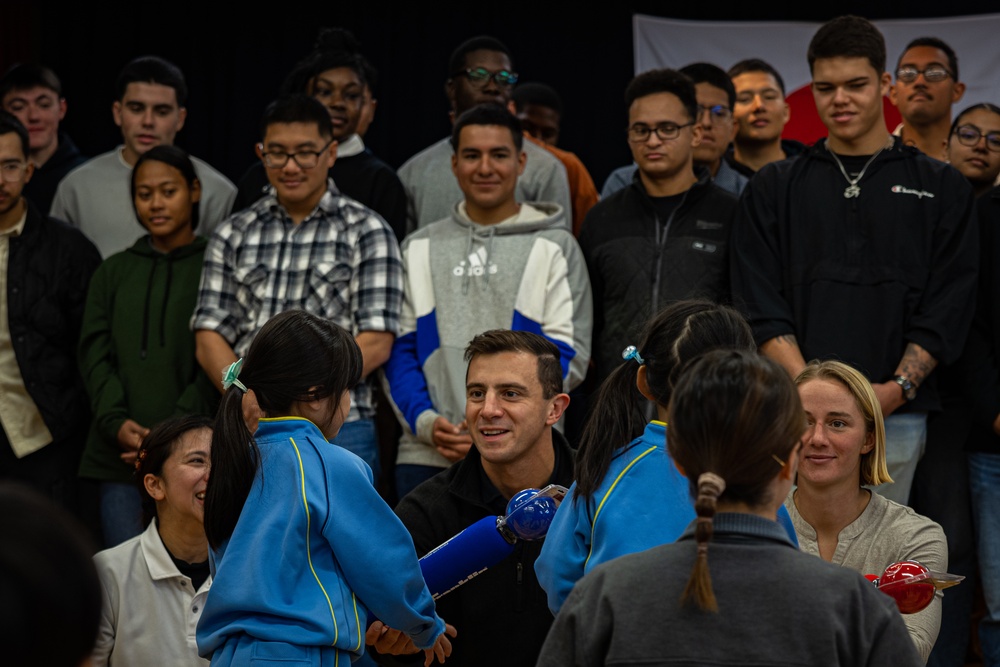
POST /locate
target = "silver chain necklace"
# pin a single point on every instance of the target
(853, 189)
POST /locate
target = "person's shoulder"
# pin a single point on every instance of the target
(542, 158)
(211, 177)
(895, 513)
(96, 167)
(109, 561)
(421, 160)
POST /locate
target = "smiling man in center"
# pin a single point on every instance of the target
(512, 396)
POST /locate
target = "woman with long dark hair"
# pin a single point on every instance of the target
(735, 424)
(303, 544)
(628, 495)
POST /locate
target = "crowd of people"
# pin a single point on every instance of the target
(178, 352)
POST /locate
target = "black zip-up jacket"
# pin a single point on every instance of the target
(856, 279)
(48, 271)
(502, 616)
(638, 263)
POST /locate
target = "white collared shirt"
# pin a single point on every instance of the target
(150, 610)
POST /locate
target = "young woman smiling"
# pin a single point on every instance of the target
(835, 517)
(136, 350)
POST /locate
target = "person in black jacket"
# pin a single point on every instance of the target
(860, 249)
(33, 93)
(514, 397)
(47, 266)
(666, 236)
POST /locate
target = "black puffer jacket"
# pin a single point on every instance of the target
(638, 263)
(48, 272)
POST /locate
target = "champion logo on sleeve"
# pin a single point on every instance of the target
(899, 189)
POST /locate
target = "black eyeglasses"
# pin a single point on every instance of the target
(932, 74)
(639, 133)
(480, 75)
(305, 159)
(969, 135)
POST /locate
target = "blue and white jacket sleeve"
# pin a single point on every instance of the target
(418, 338)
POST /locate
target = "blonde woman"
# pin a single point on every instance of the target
(835, 516)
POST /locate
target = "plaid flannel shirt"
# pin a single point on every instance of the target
(342, 263)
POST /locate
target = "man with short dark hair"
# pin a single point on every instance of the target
(539, 109)
(342, 79)
(716, 97)
(512, 398)
(45, 268)
(149, 109)
(305, 246)
(33, 93)
(664, 237)
(760, 114)
(496, 262)
(861, 249)
(926, 87)
(480, 71)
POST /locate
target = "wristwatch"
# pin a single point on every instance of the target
(909, 389)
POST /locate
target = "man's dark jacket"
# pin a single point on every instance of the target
(48, 272)
(639, 262)
(501, 616)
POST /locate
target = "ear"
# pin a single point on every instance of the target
(679, 467)
(511, 107)
(894, 95)
(522, 160)
(195, 191)
(696, 134)
(454, 164)
(116, 112)
(957, 91)
(331, 155)
(557, 407)
(259, 151)
(251, 411)
(791, 466)
(885, 83)
(869, 443)
(787, 113)
(181, 117)
(62, 108)
(154, 487)
(449, 92)
(29, 170)
(642, 384)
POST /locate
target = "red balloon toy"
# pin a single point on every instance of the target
(912, 585)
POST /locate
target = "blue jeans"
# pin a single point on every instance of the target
(121, 512)
(905, 436)
(984, 484)
(360, 437)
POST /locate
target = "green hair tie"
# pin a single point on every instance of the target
(231, 375)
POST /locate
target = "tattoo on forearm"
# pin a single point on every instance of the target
(916, 364)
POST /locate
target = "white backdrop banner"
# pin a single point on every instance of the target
(661, 42)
